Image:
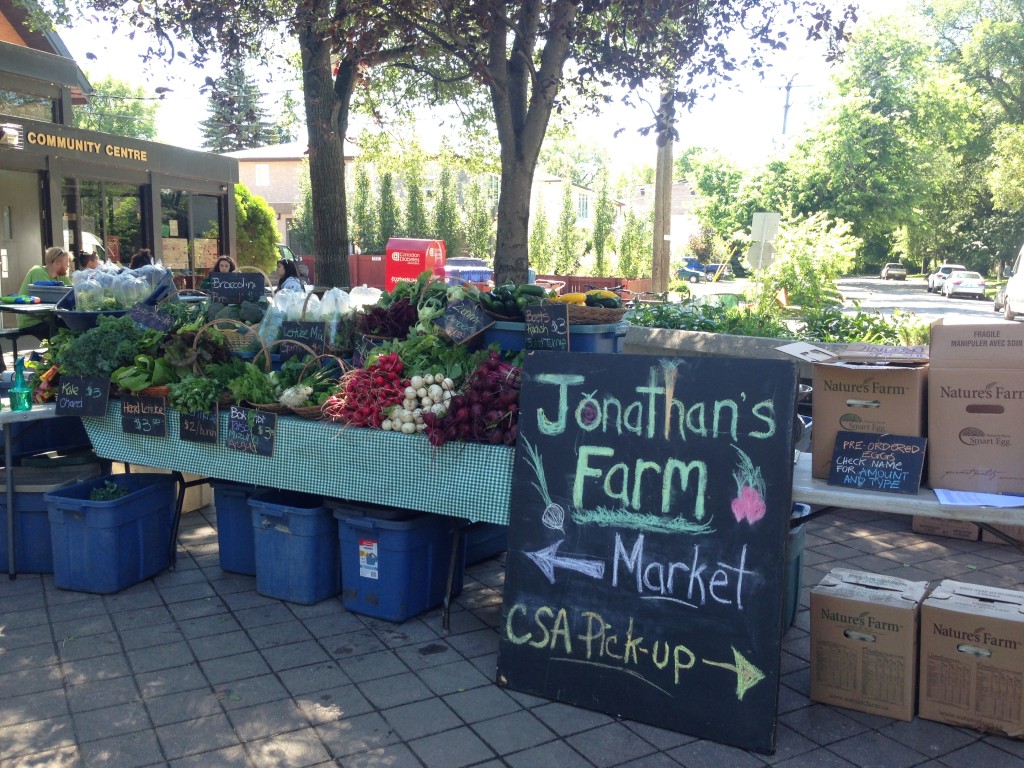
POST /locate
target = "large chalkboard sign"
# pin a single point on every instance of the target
(82, 396)
(144, 415)
(547, 326)
(251, 431)
(235, 287)
(648, 522)
(891, 463)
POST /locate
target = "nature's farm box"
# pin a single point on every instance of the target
(976, 406)
(972, 658)
(871, 398)
(940, 526)
(864, 642)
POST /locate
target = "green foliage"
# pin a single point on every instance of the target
(237, 119)
(118, 108)
(446, 215)
(415, 221)
(568, 241)
(126, 225)
(479, 222)
(112, 343)
(811, 252)
(388, 212)
(195, 394)
(109, 491)
(717, 179)
(300, 226)
(712, 317)
(364, 215)
(634, 246)
(256, 230)
(1006, 169)
(604, 219)
(542, 256)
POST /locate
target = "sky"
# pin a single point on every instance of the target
(744, 120)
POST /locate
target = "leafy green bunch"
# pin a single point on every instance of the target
(112, 343)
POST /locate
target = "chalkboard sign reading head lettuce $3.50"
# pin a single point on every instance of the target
(648, 522)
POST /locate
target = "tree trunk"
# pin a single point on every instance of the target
(511, 261)
(661, 250)
(326, 156)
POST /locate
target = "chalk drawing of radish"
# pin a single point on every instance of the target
(750, 491)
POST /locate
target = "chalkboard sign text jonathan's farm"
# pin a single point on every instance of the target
(648, 520)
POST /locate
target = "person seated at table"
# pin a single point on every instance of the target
(86, 260)
(56, 262)
(224, 264)
(288, 276)
(143, 258)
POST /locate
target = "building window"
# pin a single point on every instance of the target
(262, 175)
(583, 206)
(493, 187)
(104, 218)
(30, 106)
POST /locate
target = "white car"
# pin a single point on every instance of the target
(936, 278)
(963, 283)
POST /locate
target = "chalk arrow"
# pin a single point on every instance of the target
(747, 675)
(547, 560)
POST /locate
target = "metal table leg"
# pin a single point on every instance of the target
(453, 564)
(12, 570)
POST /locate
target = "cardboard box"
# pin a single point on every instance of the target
(871, 398)
(1013, 531)
(864, 642)
(976, 407)
(405, 258)
(972, 658)
(951, 529)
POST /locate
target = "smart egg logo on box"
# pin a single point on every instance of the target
(974, 436)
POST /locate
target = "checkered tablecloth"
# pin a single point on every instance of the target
(368, 465)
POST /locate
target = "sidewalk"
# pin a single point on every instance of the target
(195, 668)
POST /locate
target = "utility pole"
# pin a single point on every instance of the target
(785, 109)
(661, 251)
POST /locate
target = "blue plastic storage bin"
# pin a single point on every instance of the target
(106, 546)
(396, 566)
(794, 563)
(484, 541)
(33, 552)
(235, 540)
(601, 337)
(296, 551)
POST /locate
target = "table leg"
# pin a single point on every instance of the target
(12, 570)
(453, 564)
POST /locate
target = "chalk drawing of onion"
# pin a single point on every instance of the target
(553, 516)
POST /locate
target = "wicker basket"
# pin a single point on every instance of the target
(316, 411)
(155, 390)
(501, 318)
(582, 315)
(266, 354)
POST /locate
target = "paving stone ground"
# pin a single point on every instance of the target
(196, 668)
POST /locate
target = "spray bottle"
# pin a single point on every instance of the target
(21, 393)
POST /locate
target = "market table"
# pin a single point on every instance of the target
(45, 312)
(816, 492)
(7, 416)
(467, 480)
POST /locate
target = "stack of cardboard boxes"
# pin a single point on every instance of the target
(877, 642)
(967, 397)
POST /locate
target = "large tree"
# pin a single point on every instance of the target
(237, 118)
(119, 108)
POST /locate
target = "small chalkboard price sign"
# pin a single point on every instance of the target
(462, 320)
(305, 332)
(148, 317)
(891, 463)
(547, 326)
(82, 396)
(251, 431)
(648, 520)
(202, 427)
(235, 287)
(144, 415)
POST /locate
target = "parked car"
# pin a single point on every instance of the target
(713, 269)
(936, 278)
(999, 300)
(692, 275)
(894, 271)
(960, 282)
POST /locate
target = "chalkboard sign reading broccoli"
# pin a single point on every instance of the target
(647, 532)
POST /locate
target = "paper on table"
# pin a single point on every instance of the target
(971, 499)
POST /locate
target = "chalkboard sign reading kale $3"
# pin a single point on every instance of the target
(82, 396)
(648, 521)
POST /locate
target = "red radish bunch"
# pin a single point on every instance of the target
(485, 411)
(368, 393)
